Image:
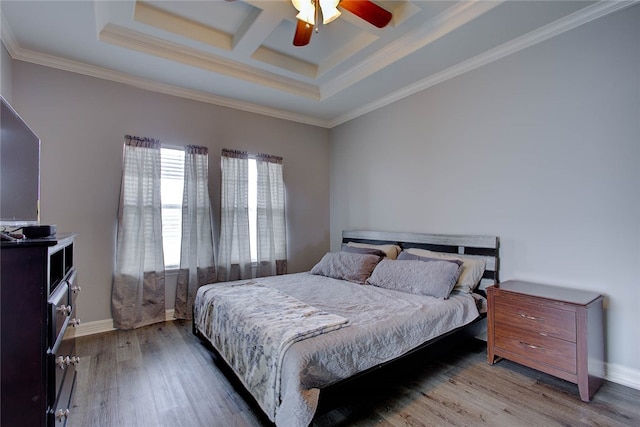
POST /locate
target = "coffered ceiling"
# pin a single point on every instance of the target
(240, 54)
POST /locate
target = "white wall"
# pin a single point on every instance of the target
(82, 122)
(541, 148)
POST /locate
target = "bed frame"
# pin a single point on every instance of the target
(485, 247)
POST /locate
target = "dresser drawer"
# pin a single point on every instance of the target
(74, 288)
(59, 413)
(532, 346)
(543, 318)
(59, 312)
(60, 364)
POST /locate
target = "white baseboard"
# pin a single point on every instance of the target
(613, 372)
(97, 327)
(101, 326)
(623, 375)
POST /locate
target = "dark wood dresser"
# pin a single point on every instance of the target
(553, 329)
(38, 289)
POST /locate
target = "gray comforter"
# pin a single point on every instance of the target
(252, 326)
(383, 325)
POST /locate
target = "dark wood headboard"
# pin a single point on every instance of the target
(485, 247)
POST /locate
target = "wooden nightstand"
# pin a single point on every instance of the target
(556, 330)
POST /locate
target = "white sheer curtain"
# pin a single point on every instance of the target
(197, 261)
(271, 229)
(138, 287)
(234, 253)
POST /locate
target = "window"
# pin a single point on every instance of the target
(252, 223)
(252, 209)
(172, 184)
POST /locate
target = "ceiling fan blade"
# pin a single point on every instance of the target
(303, 33)
(370, 12)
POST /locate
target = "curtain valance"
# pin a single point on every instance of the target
(142, 142)
(239, 154)
(268, 158)
(235, 154)
(196, 149)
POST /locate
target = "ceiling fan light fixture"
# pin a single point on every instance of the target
(306, 10)
(309, 13)
(329, 10)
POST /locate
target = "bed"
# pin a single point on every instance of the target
(288, 337)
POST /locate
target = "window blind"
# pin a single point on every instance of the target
(172, 176)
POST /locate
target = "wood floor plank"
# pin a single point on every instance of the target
(162, 375)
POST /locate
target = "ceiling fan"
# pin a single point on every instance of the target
(309, 13)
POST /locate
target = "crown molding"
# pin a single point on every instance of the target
(147, 84)
(120, 36)
(447, 21)
(574, 20)
(546, 32)
(20, 54)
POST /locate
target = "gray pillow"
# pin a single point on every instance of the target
(350, 266)
(472, 267)
(406, 256)
(434, 278)
(359, 250)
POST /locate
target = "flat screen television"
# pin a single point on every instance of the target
(19, 171)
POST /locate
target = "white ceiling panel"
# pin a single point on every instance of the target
(240, 53)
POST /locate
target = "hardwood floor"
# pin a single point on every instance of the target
(162, 375)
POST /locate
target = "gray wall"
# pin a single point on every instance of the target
(82, 122)
(6, 74)
(541, 148)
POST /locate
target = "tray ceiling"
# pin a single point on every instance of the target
(240, 54)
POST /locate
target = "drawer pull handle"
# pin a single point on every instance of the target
(62, 361)
(74, 322)
(531, 345)
(524, 316)
(62, 414)
(65, 310)
(74, 360)
(76, 288)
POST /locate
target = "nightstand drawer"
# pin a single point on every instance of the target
(540, 318)
(550, 351)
